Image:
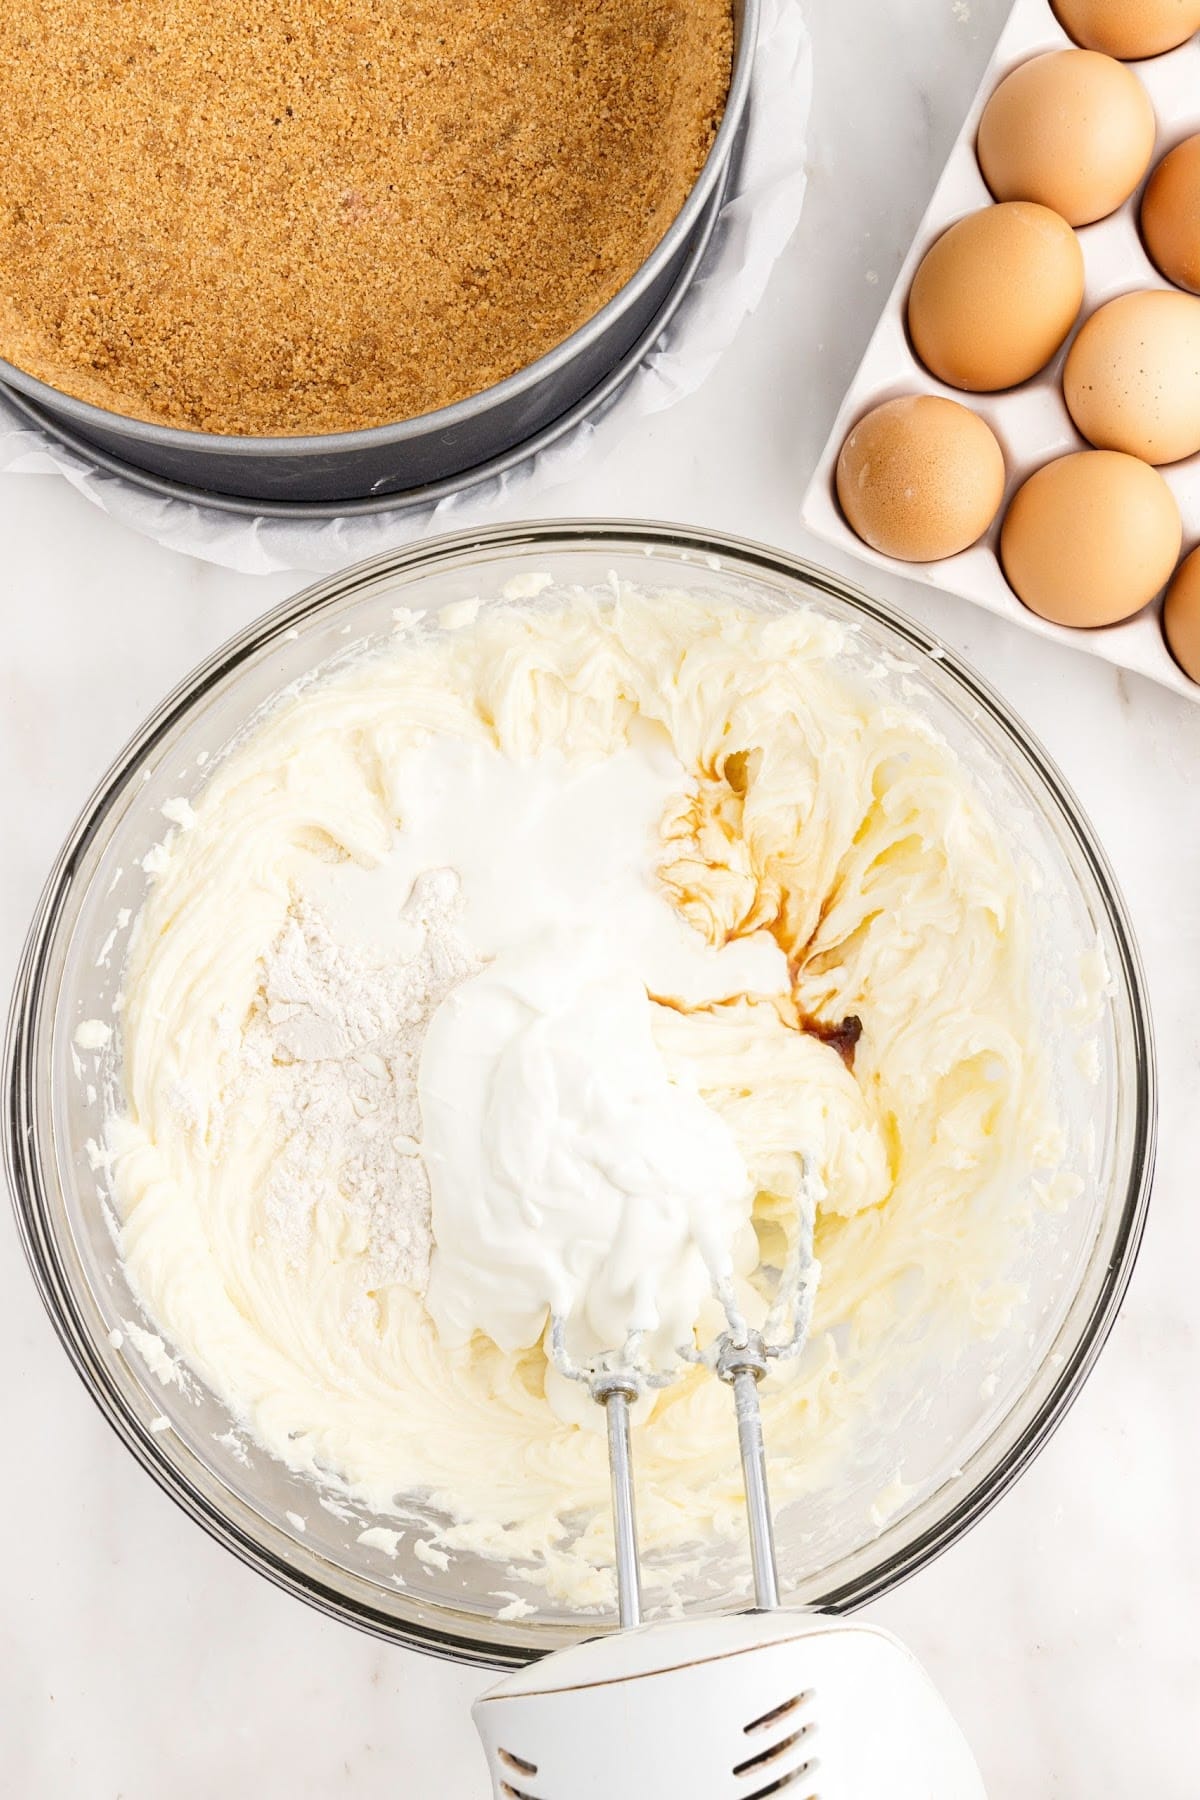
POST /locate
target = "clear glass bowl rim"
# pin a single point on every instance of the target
(23, 1152)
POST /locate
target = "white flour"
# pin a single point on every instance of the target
(342, 1028)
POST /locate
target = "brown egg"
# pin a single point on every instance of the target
(1132, 377)
(1072, 130)
(920, 478)
(1091, 538)
(995, 296)
(1129, 29)
(1181, 616)
(1171, 215)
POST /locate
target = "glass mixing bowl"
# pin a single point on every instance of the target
(982, 1420)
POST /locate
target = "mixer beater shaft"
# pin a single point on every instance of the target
(618, 1394)
(741, 1366)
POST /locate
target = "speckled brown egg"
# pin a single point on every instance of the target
(1091, 538)
(1130, 29)
(1181, 616)
(1132, 377)
(1171, 215)
(995, 296)
(920, 478)
(1072, 130)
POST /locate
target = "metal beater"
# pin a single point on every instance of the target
(740, 1357)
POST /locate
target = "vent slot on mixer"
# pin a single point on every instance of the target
(753, 1764)
(518, 1763)
(779, 1712)
(787, 1782)
(519, 1766)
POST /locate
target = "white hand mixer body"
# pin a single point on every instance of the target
(734, 1708)
(738, 1707)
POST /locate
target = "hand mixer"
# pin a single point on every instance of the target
(736, 1707)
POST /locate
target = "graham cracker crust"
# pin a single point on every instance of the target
(324, 215)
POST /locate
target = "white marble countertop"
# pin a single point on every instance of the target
(138, 1660)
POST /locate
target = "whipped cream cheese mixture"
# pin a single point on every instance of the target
(519, 967)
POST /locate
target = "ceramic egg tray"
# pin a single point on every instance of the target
(1031, 421)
